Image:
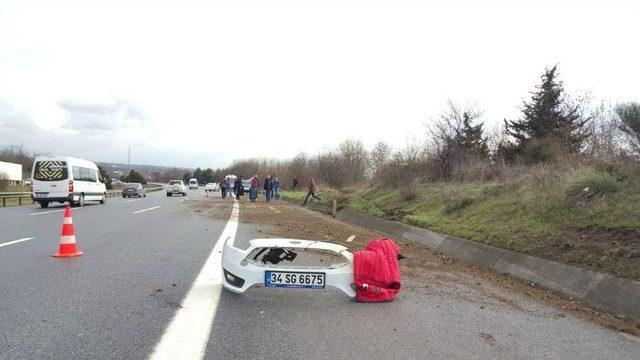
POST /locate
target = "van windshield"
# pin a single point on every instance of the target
(47, 170)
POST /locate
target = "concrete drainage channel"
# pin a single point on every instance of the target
(617, 296)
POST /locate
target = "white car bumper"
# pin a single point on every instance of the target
(241, 272)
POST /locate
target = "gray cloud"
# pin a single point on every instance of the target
(12, 120)
(109, 115)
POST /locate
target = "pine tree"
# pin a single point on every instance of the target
(548, 115)
(470, 138)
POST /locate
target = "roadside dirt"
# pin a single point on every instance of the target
(615, 251)
(422, 270)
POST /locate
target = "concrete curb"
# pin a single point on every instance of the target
(617, 296)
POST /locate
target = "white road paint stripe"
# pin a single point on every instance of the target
(15, 241)
(53, 211)
(128, 201)
(143, 210)
(188, 333)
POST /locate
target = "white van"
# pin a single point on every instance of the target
(193, 184)
(66, 179)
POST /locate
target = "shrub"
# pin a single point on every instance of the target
(543, 150)
(458, 203)
(592, 184)
(410, 192)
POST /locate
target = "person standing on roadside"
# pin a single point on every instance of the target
(223, 187)
(276, 188)
(255, 185)
(231, 185)
(295, 183)
(312, 191)
(238, 187)
(268, 187)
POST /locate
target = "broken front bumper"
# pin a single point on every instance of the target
(245, 268)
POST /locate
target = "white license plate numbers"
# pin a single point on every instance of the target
(41, 195)
(299, 280)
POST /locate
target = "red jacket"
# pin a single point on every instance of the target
(312, 185)
(255, 183)
(376, 271)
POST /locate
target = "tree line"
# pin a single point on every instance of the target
(552, 127)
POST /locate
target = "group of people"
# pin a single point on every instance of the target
(232, 185)
(271, 187)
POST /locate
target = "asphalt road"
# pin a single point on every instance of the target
(142, 256)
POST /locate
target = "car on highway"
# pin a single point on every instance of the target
(212, 186)
(193, 184)
(176, 187)
(66, 179)
(133, 189)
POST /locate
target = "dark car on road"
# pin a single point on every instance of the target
(133, 189)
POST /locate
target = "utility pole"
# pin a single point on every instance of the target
(129, 160)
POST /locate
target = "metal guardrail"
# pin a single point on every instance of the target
(14, 195)
(27, 195)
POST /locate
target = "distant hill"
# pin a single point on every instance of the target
(150, 172)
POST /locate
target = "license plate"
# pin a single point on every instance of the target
(299, 280)
(41, 195)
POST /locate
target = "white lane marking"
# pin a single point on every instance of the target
(15, 241)
(54, 211)
(143, 210)
(187, 335)
(128, 201)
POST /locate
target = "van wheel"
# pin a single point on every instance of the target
(80, 202)
(104, 199)
(44, 204)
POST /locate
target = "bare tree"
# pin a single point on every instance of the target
(354, 160)
(455, 138)
(380, 156)
(629, 123)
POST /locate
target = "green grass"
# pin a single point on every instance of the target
(507, 213)
(16, 188)
(518, 214)
(299, 195)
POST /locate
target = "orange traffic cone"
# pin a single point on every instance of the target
(68, 237)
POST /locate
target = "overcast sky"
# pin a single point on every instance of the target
(190, 83)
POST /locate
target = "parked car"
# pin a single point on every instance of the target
(212, 187)
(29, 181)
(193, 184)
(176, 187)
(66, 179)
(133, 189)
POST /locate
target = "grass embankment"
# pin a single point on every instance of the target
(298, 196)
(586, 217)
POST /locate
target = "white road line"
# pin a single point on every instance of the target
(188, 333)
(15, 241)
(143, 210)
(53, 211)
(128, 201)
